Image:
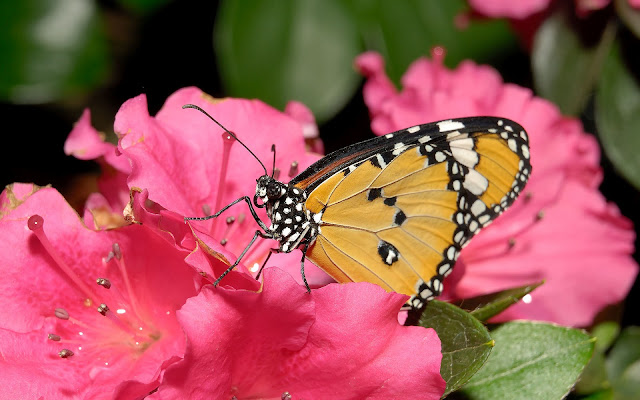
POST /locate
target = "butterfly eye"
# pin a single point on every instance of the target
(274, 190)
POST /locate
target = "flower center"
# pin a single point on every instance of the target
(84, 331)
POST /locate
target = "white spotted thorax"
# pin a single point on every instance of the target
(291, 223)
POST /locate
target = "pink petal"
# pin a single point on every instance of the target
(307, 120)
(188, 185)
(154, 285)
(85, 143)
(329, 344)
(584, 7)
(510, 9)
(206, 255)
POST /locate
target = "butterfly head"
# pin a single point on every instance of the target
(268, 189)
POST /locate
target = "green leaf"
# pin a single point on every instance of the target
(606, 394)
(50, 49)
(403, 31)
(531, 361)
(618, 116)
(487, 306)
(627, 387)
(623, 364)
(605, 334)
(565, 62)
(594, 378)
(279, 51)
(466, 343)
(629, 15)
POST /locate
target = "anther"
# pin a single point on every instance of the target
(206, 209)
(230, 220)
(54, 337)
(512, 242)
(276, 173)
(108, 258)
(104, 282)
(65, 353)
(103, 309)
(223, 241)
(528, 196)
(61, 313)
(293, 169)
(116, 251)
(540, 215)
(285, 396)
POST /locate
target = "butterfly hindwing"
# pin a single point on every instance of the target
(396, 210)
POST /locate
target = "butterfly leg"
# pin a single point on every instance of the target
(236, 201)
(304, 255)
(271, 251)
(255, 236)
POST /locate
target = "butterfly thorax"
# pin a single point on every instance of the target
(291, 223)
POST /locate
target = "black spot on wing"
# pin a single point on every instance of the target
(374, 194)
(388, 252)
(390, 201)
(399, 218)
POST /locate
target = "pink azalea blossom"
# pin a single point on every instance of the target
(328, 345)
(526, 8)
(561, 229)
(103, 209)
(55, 343)
(185, 164)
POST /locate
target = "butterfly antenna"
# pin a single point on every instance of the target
(273, 170)
(229, 132)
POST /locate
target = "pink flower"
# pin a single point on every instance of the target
(561, 229)
(103, 209)
(57, 338)
(509, 9)
(183, 161)
(527, 8)
(327, 345)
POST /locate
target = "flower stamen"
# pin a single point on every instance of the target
(36, 225)
(293, 169)
(227, 142)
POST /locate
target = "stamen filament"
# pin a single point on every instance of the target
(113, 317)
(127, 282)
(227, 142)
(36, 225)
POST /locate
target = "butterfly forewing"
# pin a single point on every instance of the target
(396, 210)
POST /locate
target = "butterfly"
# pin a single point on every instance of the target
(395, 210)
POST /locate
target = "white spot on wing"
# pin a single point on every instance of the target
(424, 139)
(478, 207)
(449, 125)
(398, 148)
(475, 182)
(465, 156)
(390, 256)
(413, 129)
